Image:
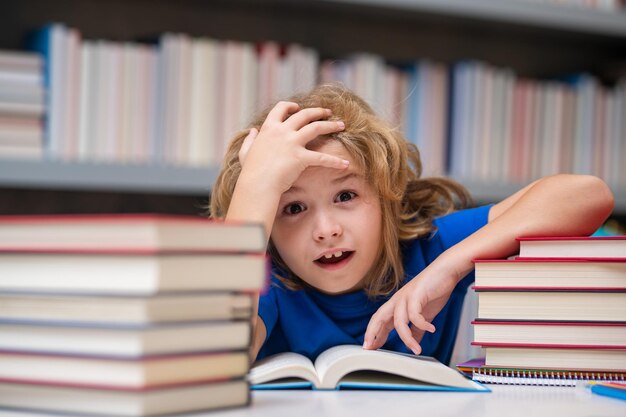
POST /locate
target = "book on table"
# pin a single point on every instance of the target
(550, 333)
(126, 314)
(555, 305)
(129, 272)
(478, 371)
(352, 367)
(125, 373)
(128, 310)
(124, 340)
(575, 273)
(145, 402)
(573, 247)
(598, 359)
(139, 232)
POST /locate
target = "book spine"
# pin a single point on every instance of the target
(541, 378)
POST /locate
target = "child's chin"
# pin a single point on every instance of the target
(340, 291)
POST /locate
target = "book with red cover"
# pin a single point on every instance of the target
(573, 247)
(128, 232)
(551, 305)
(551, 273)
(107, 372)
(550, 333)
(65, 398)
(594, 359)
(130, 273)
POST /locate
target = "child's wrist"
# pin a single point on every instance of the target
(450, 265)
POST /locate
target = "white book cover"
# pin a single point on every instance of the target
(56, 67)
(248, 92)
(268, 73)
(618, 168)
(21, 61)
(180, 140)
(150, 88)
(458, 109)
(586, 88)
(539, 109)
(203, 110)
(507, 126)
(86, 99)
(69, 146)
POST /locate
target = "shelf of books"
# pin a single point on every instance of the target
(81, 113)
(596, 17)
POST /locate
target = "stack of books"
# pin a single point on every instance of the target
(126, 314)
(22, 105)
(555, 313)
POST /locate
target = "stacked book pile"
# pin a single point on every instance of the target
(555, 314)
(21, 105)
(126, 314)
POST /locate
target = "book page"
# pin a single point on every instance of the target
(283, 366)
(339, 361)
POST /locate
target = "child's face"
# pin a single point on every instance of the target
(328, 225)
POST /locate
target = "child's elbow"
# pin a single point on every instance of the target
(594, 194)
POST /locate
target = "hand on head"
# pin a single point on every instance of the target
(277, 151)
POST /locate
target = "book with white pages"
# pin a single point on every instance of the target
(352, 367)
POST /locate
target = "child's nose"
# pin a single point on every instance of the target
(326, 228)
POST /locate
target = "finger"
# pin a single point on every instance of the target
(418, 334)
(247, 143)
(281, 111)
(378, 328)
(420, 322)
(315, 129)
(401, 323)
(320, 159)
(417, 319)
(305, 116)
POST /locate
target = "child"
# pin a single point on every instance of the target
(360, 244)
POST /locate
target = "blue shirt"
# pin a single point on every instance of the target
(309, 322)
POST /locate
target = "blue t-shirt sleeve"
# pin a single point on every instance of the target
(453, 228)
(268, 307)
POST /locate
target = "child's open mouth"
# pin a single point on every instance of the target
(334, 258)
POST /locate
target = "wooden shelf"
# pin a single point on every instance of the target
(106, 177)
(529, 13)
(176, 180)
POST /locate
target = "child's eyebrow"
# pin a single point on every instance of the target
(346, 177)
(341, 179)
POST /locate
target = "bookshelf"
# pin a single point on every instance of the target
(536, 39)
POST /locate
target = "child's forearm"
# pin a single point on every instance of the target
(254, 201)
(258, 330)
(560, 205)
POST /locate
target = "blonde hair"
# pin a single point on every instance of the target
(392, 166)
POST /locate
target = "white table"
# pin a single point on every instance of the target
(509, 401)
(504, 401)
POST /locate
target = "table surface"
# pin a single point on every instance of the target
(509, 401)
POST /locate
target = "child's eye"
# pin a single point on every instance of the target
(293, 208)
(345, 196)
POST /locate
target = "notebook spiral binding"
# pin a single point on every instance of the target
(543, 378)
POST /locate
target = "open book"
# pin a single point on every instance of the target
(352, 367)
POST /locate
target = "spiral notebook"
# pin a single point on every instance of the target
(479, 372)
